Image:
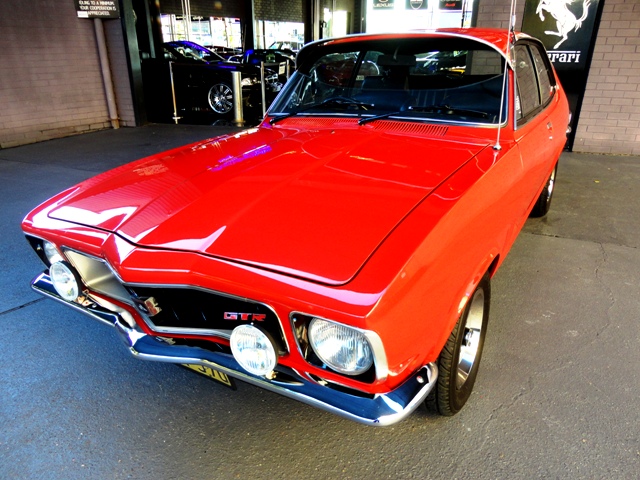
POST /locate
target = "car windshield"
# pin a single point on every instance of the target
(446, 80)
(193, 51)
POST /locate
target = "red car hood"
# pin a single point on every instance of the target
(314, 204)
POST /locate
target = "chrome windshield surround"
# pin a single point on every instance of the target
(377, 348)
(376, 410)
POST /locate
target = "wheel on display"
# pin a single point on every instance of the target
(220, 98)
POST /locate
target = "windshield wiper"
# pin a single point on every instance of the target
(449, 110)
(442, 109)
(363, 121)
(341, 101)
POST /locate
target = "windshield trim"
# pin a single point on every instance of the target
(398, 118)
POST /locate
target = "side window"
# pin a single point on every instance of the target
(526, 81)
(545, 76)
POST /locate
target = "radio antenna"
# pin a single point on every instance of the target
(510, 35)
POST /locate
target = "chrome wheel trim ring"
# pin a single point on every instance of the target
(551, 184)
(472, 330)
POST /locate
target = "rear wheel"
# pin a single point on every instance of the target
(543, 203)
(459, 360)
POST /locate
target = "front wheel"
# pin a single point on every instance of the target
(459, 360)
(220, 98)
(543, 203)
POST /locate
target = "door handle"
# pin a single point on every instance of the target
(550, 128)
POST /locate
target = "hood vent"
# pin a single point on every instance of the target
(411, 128)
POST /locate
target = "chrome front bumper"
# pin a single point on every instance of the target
(378, 409)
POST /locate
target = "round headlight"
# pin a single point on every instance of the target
(51, 252)
(65, 281)
(344, 349)
(253, 350)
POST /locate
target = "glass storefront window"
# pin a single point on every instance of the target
(279, 35)
(206, 31)
(405, 15)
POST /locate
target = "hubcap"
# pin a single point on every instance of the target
(472, 330)
(221, 98)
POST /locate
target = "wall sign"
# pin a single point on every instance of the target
(450, 5)
(383, 4)
(568, 30)
(417, 4)
(97, 8)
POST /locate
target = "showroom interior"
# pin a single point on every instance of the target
(557, 393)
(53, 76)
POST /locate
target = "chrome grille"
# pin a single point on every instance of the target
(194, 311)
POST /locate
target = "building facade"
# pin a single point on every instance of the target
(52, 80)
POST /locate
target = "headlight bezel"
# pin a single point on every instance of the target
(379, 369)
(342, 348)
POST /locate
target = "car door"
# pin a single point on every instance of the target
(535, 132)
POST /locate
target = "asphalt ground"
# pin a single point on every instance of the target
(557, 396)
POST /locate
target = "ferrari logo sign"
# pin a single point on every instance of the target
(568, 30)
(566, 20)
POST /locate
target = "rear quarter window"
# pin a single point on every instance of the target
(534, 81)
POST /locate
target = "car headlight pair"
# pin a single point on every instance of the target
(343, 349)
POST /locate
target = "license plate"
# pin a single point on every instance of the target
(213, 374)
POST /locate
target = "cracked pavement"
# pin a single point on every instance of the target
(557, 395)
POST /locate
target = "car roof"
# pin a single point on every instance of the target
(494, 38)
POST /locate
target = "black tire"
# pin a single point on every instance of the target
(220, 99)
(543, 203)
(459, 360)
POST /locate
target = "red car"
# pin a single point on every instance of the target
(341, 253)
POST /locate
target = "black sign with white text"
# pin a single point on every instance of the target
(568, 30)
(97, 8)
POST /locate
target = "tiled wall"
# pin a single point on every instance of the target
(50, 79)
